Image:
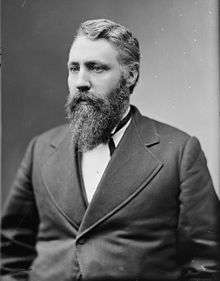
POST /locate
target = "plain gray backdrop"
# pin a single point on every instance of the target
(179, 68)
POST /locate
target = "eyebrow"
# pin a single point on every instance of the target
(91, 62)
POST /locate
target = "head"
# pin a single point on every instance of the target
(103, 71)
(121, 39)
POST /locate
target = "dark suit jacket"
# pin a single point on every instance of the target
(153, 215)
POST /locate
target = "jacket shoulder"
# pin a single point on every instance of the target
(168, 130)
(165, 132)
(151, 127)
(46, 142)
(53, 136)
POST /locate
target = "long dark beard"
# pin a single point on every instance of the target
(92, 118)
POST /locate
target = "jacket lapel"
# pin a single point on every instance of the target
(61, 178)
(132, 166)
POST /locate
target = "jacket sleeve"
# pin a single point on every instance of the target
(19, 223)
(198, 217)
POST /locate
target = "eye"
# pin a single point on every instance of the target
(98, 68)
(73, 68)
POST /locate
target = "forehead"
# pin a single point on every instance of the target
(84, 49)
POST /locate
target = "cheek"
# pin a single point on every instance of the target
(70, 83)
(107, 85)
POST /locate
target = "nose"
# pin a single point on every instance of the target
(83, 81)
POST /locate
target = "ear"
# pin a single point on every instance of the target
(131, 75)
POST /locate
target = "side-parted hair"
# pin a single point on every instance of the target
(119, 36)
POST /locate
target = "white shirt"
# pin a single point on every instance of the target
(96, 160)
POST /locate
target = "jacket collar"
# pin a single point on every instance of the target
(61, 178)
(145, 128)
(130, 169)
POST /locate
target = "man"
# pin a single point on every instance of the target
(114, 195)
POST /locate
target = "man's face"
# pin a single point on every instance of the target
(98, 95)
(93, 67)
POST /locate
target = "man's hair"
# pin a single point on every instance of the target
(119, 36)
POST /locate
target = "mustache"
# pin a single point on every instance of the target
(86, 97)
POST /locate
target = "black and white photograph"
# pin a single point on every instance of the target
(110, 140)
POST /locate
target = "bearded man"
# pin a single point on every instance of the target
(114, 195)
